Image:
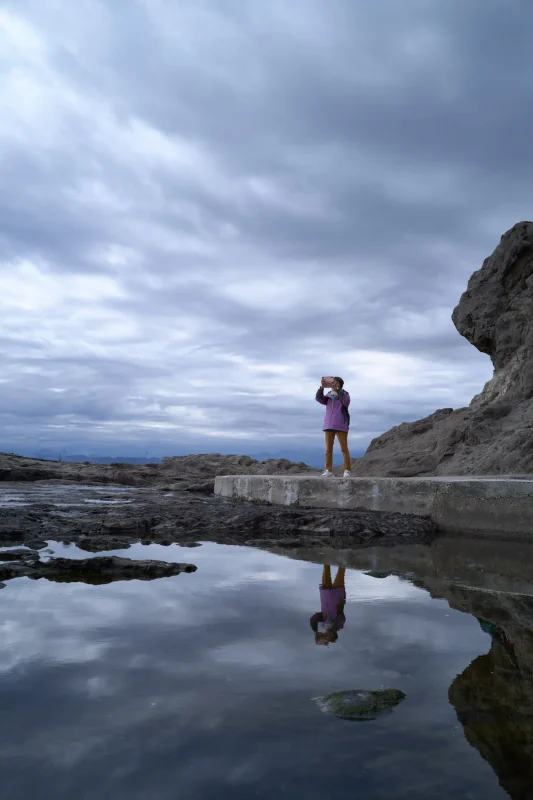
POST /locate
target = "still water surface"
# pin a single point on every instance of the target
(202, 686)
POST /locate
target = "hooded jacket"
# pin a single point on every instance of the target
(336, 418)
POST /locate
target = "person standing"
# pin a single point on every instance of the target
(336, 423)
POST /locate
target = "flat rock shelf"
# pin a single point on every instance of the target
(491, 506)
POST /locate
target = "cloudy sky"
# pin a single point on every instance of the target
(205, 206)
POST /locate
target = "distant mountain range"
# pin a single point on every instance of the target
(314, 458)
(80, 458)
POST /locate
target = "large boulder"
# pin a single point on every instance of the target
(494, 434)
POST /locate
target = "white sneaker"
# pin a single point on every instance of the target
(347, 474)
(327, 474)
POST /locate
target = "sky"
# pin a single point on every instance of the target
(206, 206)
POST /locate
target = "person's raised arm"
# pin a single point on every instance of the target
(319, 397)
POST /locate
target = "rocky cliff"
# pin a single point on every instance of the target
(494, 434)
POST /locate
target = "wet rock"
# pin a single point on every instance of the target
(153, 517)
(494, 434)
(105, 569)
(98, 544)
(97, 570)
(360, 705)
(206, 487)
(18, 554)
(36, 544)
(375, 574)
(13, 569)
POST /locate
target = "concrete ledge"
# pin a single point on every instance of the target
(474, 505)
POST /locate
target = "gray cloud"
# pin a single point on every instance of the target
(205, 207)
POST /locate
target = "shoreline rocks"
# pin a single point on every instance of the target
(157, 516)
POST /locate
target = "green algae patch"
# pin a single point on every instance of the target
(360, 705)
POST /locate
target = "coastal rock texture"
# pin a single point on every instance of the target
(108, 521)
(494, 434)
(97, 570)
(193, 472)
(109, 507)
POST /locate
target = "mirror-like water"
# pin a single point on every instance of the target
(203, 685)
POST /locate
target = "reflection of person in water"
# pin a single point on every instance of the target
(332, 601)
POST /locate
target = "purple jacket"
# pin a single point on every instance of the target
(335, 419)
(332, 603)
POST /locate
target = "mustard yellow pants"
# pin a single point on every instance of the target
(338, 583)
(342, 436)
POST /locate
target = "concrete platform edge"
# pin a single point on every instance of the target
(481, 505)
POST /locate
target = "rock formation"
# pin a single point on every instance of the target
(97, 570)
(193, 471)
(495, 433)
(155, 515)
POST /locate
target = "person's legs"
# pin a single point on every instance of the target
(339, 578)
(326, 577)
(342, 436)
(330, 438)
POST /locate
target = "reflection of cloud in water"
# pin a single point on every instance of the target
(363, 587)
(208, 677)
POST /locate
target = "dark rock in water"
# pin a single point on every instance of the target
(206, 487)
(97, 570)
(375, 574)
(359, 704)
(18, 554)
(494, 434)
(36, 544)
(97, 544)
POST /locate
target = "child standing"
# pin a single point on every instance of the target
(336, 423)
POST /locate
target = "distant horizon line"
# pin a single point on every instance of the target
(311, 456)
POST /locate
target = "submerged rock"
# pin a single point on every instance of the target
(494, 435)
(360, 704)
(98, 544)
(97, 570)
(18, 554)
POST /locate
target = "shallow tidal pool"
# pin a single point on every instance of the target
(204, 686)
